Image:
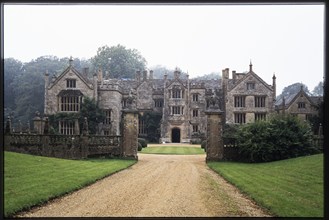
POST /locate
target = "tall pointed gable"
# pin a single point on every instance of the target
(71, 70)
(176, 79)
(247, 75)
(293, 97)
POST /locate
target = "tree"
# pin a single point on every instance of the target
(209, 76)
(94, 114)
(12, 69)
(159, 71)
(293, 89)
(318, 90)
(281, 137)
(119, 61)
(24, 84)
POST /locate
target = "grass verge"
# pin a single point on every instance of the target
(173, 150)
(32, 180)
(287, 188)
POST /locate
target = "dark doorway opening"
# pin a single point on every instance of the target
(175, 135)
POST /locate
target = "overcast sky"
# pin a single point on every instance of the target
(287, 40)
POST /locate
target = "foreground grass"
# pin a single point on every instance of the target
(288, 188)
(32, 180)
(173, 150)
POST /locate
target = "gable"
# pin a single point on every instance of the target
(71, 73)
(176, 82)
(260, 86)
(301, 96)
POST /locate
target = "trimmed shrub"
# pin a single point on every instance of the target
(281, 137)
(195, 141)
(204, 145)
(143, 142)
(139, 146)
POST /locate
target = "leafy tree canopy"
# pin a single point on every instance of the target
(159, 71)
(24, 84)
(210, 76)
(281, 137)
(94, 114)
(318, 90)
(118, 61)
(292, 89)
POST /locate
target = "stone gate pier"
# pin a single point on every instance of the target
(214, 147)
(129, 128)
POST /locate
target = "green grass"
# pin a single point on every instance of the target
(173, 150)
(287, 188)
(32, 180)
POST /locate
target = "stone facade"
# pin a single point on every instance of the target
(182, 102)
(248, 97)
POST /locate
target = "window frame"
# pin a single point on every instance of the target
(71, 83)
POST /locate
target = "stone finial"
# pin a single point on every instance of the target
(250, 67)
(214, 102)
(20, 126)
(46, 127)
(28, 127)
(8, 125)
(320, 132)
(70, 61)
(131, 100)
(85, 127)
(37, 115)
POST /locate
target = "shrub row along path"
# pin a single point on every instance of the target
(156, 186)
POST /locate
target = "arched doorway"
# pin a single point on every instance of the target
(175, 135)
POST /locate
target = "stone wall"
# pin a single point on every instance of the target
(63, 146)
(76, 146)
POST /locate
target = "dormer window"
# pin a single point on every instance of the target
(250, 86)
(70, 83)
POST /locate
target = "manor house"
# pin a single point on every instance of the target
(180, 101)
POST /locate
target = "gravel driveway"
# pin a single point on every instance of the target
(157, 186)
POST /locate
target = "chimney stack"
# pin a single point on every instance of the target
(86, 71)
(144, 75)
(100, 75)
(234, 76)
(151, 75)
(138, 76)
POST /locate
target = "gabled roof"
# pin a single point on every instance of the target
(292, 97)
(76, 72)
(250, 73)
(176, 80)
(316, 99)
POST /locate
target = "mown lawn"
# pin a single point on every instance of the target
(32, 180)
(287, 188)
(173, 150)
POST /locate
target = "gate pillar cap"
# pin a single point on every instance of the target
(213, 112)
(129, 110)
